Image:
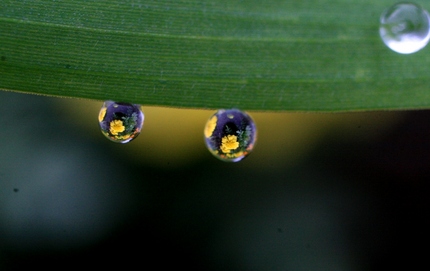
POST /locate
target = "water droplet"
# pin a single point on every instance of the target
(405, 28)
(230, 135)
(120, 122)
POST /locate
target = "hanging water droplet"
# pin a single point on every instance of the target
(120, 122)
(230, 135)
(405, 28)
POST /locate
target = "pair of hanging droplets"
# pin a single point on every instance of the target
(229, 134)
(405, 27)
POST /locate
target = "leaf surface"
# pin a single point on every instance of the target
(273, 55)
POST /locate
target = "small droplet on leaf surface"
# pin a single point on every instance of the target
(120, 122)
(405, 28)
(230, 135)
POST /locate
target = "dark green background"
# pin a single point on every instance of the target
(69, 197)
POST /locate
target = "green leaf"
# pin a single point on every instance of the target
(307, 55)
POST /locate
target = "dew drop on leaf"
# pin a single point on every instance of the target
(405, 28)
(120, 122)
(230, 135)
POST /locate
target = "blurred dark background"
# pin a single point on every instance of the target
(319, 192)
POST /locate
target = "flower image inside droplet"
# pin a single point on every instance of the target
(405, 28)
(230, 135)
(120, 122)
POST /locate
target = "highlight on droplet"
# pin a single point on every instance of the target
(405, 27)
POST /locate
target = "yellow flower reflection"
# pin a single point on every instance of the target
(229, 143)
(116, 126)
(210, 126)
(102, 114)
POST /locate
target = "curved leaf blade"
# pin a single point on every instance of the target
(254, 55)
